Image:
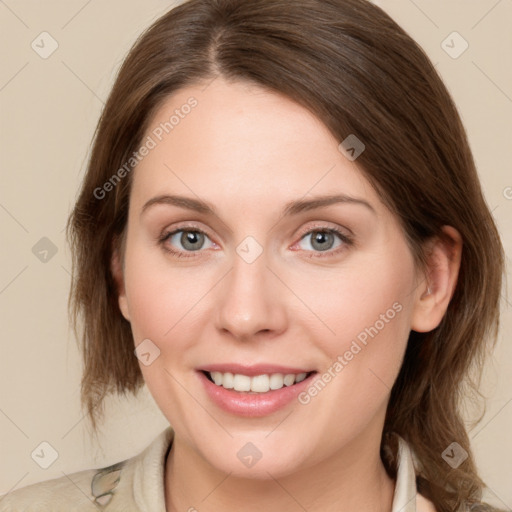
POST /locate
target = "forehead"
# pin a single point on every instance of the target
(239, 142)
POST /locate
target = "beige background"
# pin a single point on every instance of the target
(49, 109)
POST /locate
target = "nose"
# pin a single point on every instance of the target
(250, 301)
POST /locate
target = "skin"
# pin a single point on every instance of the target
(249, 152)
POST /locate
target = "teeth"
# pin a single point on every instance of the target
(240, 383)
(228, 380)
(217, 378)
(289, 379)
(260, 384)
(256, 384)
(276, 381)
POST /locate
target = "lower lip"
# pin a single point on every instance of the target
(252, 404)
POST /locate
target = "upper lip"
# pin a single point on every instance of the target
(252, 370)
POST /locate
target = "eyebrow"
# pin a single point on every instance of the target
(291, 208)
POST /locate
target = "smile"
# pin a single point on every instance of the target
(253, 391)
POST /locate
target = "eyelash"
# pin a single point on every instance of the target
(346, 239)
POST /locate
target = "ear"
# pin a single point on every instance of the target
(434, 294)
(116, 267)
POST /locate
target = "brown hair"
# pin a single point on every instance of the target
(351, 65)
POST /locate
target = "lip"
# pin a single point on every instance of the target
(249, 404)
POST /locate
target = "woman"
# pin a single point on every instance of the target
(275, 217)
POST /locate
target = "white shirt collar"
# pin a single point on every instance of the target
(404, 498)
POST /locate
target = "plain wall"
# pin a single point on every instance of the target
(49, 109)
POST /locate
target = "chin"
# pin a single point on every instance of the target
(256, 456)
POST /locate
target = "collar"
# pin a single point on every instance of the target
(404, 498)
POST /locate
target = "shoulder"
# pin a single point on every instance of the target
(81, 491)
(132, 484)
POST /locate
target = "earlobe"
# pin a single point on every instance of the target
(116, 268)
(436, 290)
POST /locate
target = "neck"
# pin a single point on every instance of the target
(353, 478)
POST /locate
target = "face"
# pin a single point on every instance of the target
(258, 256)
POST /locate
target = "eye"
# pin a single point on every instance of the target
(324, 239)
(185, 240)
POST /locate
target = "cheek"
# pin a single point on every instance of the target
(161, 300)
(367, 299)
(367, 308)
(158, 295)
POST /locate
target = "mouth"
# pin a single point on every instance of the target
(253, 391)
(256, 384)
